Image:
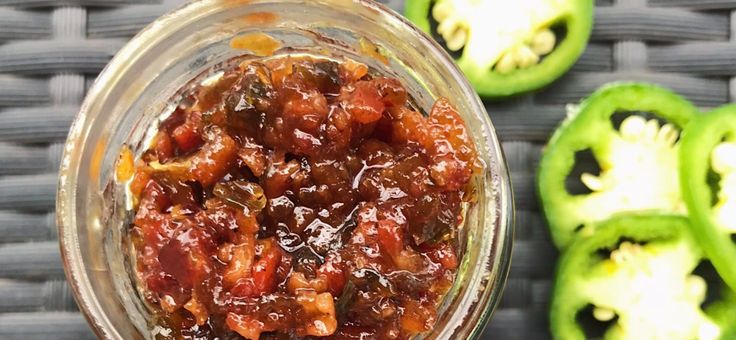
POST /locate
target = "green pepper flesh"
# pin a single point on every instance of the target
(712, 230)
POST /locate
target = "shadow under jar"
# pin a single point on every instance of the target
(94, 211)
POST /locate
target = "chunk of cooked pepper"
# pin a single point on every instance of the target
(508, 47)
(708, 179)
(638, 162)
(644, 288)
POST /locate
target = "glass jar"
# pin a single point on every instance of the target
(138, 84)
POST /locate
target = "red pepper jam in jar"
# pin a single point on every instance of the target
(300, 197)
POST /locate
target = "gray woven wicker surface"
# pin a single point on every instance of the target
(50, 51)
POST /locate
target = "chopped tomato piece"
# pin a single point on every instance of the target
(187, 135)
(140, 180)
(279, 177)
(392, 92)
(198, 310)
(306, 110)
(264, 270)
(351, 71)
(335, 276)
(163, 146)
(365, 103)
(215, 158)
(444, 254)
(391, 236)
(254, 157)
(241, 261)
(247, 326)
(409, 126)
(320, 309)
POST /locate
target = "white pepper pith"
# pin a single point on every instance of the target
(500, 35)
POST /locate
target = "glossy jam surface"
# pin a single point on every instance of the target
(296, 197)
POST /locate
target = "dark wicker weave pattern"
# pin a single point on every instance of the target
(52, 50)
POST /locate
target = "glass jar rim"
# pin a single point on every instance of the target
(491, 273)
